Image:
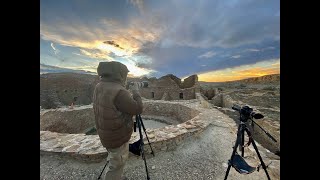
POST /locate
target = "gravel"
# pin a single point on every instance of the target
(198, 157)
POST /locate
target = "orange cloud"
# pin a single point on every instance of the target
(110, 38)
(95, 54)
(129, 39)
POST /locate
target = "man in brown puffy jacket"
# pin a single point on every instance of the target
(114, 107)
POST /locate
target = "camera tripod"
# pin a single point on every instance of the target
(236, 160)
(140, 124)
(137, 147)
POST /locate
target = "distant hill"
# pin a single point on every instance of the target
(54, 69)
(272, 78)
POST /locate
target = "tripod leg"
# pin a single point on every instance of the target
(142, 144)
(145, 164)
(234, 151)
(256, 149)
(144, 129)
(242, 144)
(103, 170)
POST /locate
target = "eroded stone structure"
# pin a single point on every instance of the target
(170, 87)
(65, 131)
(62, 89)
(187, 118)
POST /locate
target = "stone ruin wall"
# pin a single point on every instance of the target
(59, 89)
(64, 120)
(81, 119)
(178, 112)
(209, 93)
(170, 87)
(224, 102)
(217, 98)
(88, 147)
(191, 81)
(162, 93)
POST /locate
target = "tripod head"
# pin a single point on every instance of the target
(246, 113)
(143, 84)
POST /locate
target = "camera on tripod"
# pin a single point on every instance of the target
(142, 84)
(237, 161)
(246, 113)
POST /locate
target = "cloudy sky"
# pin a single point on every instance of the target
(220, 40)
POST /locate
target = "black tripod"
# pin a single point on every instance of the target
(236, 160)
(140, 124)
(137, 147)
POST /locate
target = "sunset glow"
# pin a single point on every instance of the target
(220, 40)
(242, 72)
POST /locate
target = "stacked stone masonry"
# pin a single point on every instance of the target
(200, 115)
(64, 89)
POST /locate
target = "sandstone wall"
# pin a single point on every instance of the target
(190, 81)
(179, 112)
(204, 103)
(173, 93)
(81, 119)
(217, 100)
(171, 77)
(170, 87)
(88, 147)
(227, 101)
(210, 93)
(222, 100)
(60, 89)
(67, 121)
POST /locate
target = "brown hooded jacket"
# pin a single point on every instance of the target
(114, 106)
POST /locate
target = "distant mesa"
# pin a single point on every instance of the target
(262, 79)
(44, 69)
(266, 78)
(272, 78)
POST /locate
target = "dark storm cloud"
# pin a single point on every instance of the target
(113, 44)
(165, 36)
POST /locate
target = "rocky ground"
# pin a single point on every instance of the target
(260, 93)
(263, 95)
(204, 156)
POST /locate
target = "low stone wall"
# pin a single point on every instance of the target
(222, 100)
(172, 93)
(204, 103)
(81, 119)
(89, 147)
(80, 146)
(227, 101)
(65, 120)
(163, 108)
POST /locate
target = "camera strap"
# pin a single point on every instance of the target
(250, 139)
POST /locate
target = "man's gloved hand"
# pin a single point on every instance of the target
(134, 86)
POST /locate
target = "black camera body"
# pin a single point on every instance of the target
(246, 113)
(142, 84)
